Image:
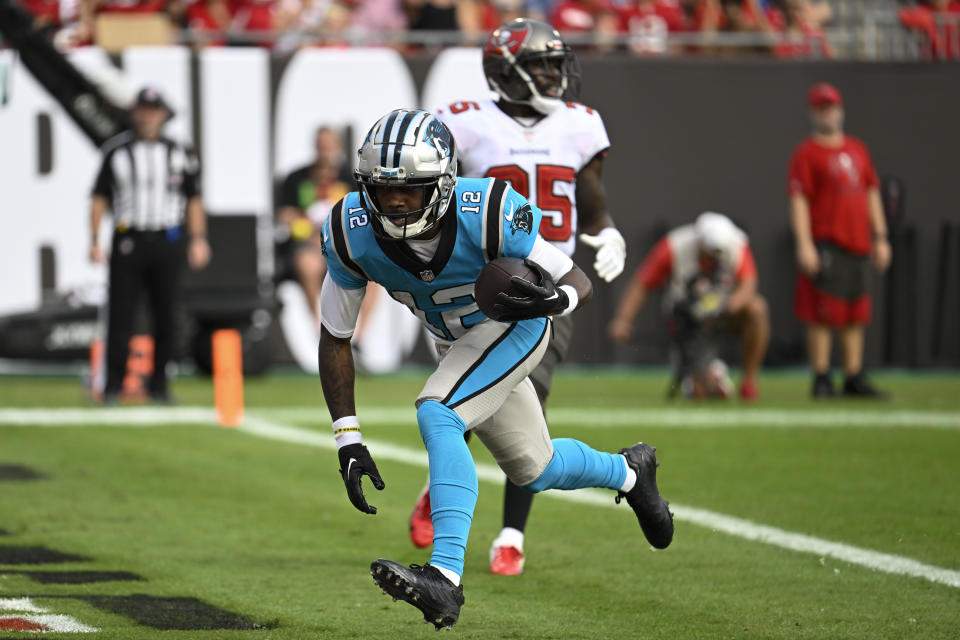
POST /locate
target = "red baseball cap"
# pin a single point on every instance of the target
(823, 94)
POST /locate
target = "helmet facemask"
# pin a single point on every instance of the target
(523, 51)
(384, 225)
(523, 86)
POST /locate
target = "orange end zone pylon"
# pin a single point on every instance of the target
(228, 377)
(137, 376)
(96, 369)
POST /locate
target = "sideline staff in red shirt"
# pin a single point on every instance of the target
(838, 224)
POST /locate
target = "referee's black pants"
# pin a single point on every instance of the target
(151, 262)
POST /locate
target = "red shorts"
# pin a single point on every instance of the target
(839, 295)
(815, 306)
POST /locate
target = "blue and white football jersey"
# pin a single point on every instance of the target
(487, 219)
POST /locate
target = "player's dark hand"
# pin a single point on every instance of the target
(539, 299)
(355, 462)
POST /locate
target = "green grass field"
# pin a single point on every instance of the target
(255, 521)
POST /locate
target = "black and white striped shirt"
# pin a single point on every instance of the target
(147, 182)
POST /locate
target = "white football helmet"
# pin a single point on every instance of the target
(522, 49)
(408, 148)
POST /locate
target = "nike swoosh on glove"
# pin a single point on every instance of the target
(542, 299)
(611, 252)
(356, 462)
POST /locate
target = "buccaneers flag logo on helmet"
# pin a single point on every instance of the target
(507, 37)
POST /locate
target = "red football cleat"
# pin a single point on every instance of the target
(421, 526)
(748, 390)
(506, 560)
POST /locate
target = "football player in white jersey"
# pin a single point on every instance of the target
(551, 150)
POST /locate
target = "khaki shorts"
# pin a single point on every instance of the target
(482, 377)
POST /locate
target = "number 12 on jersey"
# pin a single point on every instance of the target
(557, 222)
(473, 197)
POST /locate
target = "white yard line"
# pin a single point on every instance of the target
(264, 428)
(885, 562)
(20, 605)
(25, 609)
(722, 418)
(53, 623)
(694, 418)
(109, 416)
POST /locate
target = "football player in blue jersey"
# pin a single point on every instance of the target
(424, 235)
(552, 150)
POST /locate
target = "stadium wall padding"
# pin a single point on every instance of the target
(688, 136)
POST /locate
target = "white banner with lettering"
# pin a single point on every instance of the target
(248, 139)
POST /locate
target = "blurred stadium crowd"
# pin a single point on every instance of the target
(784, 29)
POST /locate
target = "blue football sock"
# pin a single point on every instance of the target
(453, 483)
(576, 466)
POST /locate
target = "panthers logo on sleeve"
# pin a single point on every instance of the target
(522, 220)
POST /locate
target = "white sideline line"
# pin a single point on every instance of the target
(885, 562)
(676, 418)
(585, 418)
(109, 416)
(261, 427)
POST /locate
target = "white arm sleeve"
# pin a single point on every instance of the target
(339, 307)
(555, 261)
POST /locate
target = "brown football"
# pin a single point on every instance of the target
(495, 277)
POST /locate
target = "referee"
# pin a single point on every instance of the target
(149, 183)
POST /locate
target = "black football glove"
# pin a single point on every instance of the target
(355, 462)
(542, 299)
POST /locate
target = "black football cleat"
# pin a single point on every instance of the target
(822, 386)
(424, 587)
(859, 387)
(162, 398)
(645, 499)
